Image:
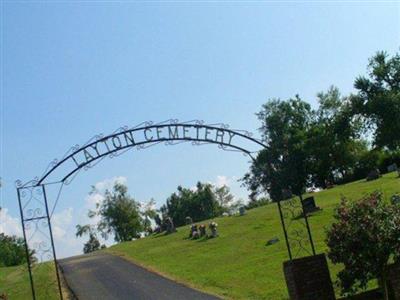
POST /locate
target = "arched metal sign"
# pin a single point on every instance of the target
(33, 202)
(148, 133)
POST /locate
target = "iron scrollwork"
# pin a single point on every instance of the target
(296, 228)
(39, 245)
(148, 134)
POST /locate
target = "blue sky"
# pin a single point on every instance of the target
(72, 70)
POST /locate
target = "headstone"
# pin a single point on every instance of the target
(202, 230)
(195, 235)
(170, 228)
(213, 227)
(225, 214)
(193, 228)
(308, 278)
(309, 205)
(374, 174)
(188, 220)
(329, 184)
(272, 241)
(392, 168)
(242, 210)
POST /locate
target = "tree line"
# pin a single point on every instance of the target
(340, 141)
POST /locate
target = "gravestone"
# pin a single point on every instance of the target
(193, 228)
(242, 210)
(392, 168)
(309, 205)
(272, 241)
(195, 235)
(374, 174)
(329, 184)
(170, 228)
(188, 220)
(213, 227)
(202, 230)
(308, 278)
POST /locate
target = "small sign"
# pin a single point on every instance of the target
(309, 205)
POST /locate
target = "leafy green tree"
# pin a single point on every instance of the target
(378, 99)
(12, 250)
(257, 202)
(149, 213)
(200, 204)
(93, 243)
(119, 215)
(285, 163)
(364, 238)
(333, 139)
(224, 196)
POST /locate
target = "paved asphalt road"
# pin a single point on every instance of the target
(103, 276)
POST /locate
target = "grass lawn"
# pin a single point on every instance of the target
(14, 281)
(238, 264)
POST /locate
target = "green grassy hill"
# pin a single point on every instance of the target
(238, 264)
(14, 282)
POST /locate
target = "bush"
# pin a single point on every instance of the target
(200, 204)
(257, 203)
(12, 250)
(365, 238)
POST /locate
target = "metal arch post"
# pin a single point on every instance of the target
(307, 225)
(284, 230)
(28, 260)
(52, 242)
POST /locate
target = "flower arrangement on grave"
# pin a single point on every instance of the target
(213, 227)
(202, 230)
(195, 235)
(193, 231)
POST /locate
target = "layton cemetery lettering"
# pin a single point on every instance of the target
(158, 133)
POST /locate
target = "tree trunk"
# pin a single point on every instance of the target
(384, 283)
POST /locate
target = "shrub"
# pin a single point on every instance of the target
(365, 238)
(12, 251)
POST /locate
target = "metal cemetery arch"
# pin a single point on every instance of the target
(32, 198)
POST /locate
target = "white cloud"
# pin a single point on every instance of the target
(60, 222)
(8, 224)
(223, 180)
(105, 184)
(93, 199)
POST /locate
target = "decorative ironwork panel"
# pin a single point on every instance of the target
(296, 228)
(39, 243)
